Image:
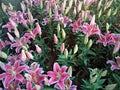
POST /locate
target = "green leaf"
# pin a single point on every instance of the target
(48, 88)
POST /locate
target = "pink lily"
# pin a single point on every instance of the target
(13, 73)
(106, 39)
(37, 30)
(76, 26)
(55, 39)
(114, 65)
(117, 43)
(38, 49)
(65, 20)
(58, 75)
(90, 29)
(67, 85)
(19, 43)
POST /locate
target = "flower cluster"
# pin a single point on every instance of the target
(53, 32)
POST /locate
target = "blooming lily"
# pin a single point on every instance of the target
(13, 73)
(117, 43)
(76, 25)
(58, 75)
(115, 65)
(106, 39)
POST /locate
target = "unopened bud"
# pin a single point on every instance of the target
(63, 5)
(67, 10)
(70, 71)
(86, 39)
(100, 12)
(62, 47)
(66, 53)
(74, 11)
(90, 43)
(109, 12)
(99, 4)
(107, 26)
(58, 27)
(10, 37)
(23, 6)
(29, 55)
(50, 13)
(75, 49)
(115, 12)
(3, 55)
(16, 32)
(79, 6)
(23, 56)
(41, 4)
(10, 6)
(55, 39)
(63, 34)
(30, 15)
(4, 7)
(70, 3)
(75, 1)
(38, 49)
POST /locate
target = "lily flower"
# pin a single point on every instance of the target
(117, 43)
(114, 65)
(108, 38)
(12, 73)
(58, 75)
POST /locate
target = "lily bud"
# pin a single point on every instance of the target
(63, 34)
(55, 39)
(75, 1)
(67, 10)
(109, 12)
(114, 13)
(37, 30)
(63, 5)
(90, 43)
(70, 3)
(12, 23)
(99, 4)
(23, 6)
(3, 55)
(74, 11)
(79, 6)
(66, 53)
(107, 26)
(41, 4)
(70, 71)
(16, 32)
(23, 56)
(10, 6)
(38, 49)
(30, 16)
(100, 12)
(50, 12)
(10, 37)
(75, 49)
(62, 47)
(93, 20)
(29, 55)
(58, 28)
(4, 7)
(86, 39)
